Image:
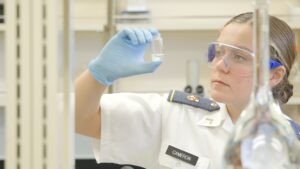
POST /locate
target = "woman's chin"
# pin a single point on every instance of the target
(218, 97)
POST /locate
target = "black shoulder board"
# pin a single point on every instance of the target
(296, 128)
(192, 100)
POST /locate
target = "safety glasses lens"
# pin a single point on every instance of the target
(238, 60)
(211, 52)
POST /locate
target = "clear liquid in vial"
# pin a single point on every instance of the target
(157, 57)
(157, 49)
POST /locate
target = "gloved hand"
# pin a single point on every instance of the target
(123, 56)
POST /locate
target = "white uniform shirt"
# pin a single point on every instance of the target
(138, 129)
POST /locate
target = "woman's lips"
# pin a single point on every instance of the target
(219, 82)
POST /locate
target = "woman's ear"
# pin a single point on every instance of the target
(277, 75)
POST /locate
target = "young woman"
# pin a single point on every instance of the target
(176, 130)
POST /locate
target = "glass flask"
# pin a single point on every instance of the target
(262, 137)
(157, 48)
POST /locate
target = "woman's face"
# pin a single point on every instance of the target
(228, 87)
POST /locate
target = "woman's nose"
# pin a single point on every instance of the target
(223, 64)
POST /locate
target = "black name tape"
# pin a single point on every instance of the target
(182, 155)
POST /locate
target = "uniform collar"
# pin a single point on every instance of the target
(217, 118)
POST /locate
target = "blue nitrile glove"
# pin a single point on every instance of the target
(123, 56)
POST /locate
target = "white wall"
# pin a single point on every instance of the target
(2, 75)
(2, 132)
(2, 61)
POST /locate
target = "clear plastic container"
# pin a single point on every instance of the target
(157, 49)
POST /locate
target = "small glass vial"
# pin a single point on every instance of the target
(157, 49)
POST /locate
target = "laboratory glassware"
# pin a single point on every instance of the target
(262, 137)
(157, 48)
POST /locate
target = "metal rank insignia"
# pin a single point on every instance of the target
(214, 104)
(192, 100)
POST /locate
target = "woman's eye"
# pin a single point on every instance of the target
(239, 58)
(218, 53)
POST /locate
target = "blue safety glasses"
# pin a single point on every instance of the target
(234, 56)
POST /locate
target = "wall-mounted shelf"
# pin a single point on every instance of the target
(169, 23)
(178, 15)
(163, 24)
(180, 23)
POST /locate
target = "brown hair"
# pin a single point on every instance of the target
(282, 49)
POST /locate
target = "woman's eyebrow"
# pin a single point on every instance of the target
(245, 48)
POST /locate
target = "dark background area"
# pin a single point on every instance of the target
(89, 164)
